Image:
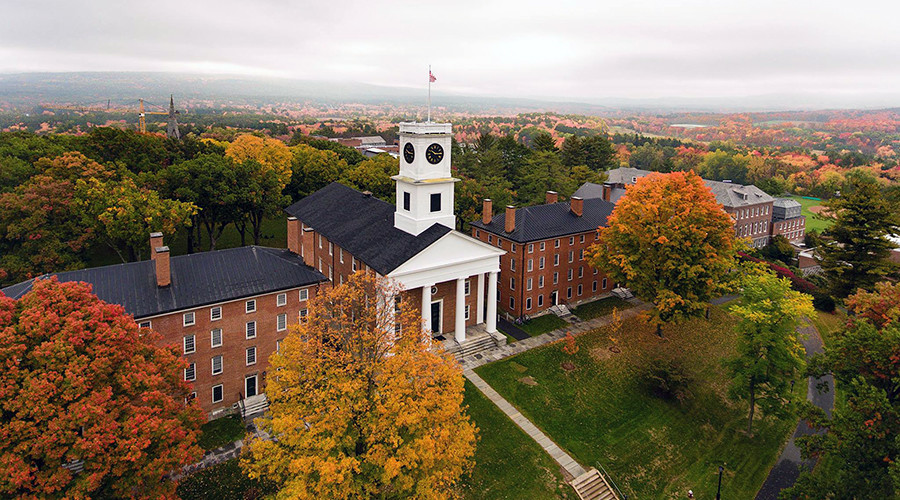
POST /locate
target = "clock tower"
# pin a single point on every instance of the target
(424, 185)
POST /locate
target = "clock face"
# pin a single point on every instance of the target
(434, 154)
(409, 152)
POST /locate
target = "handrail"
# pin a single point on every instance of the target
(606, 476)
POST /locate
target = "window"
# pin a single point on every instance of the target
(478, 233)
(304, 294)
(555, 278)
(144, 324)
(512, 247)
(250, 306)
(512, 303)
(531, 248)
(540, 300)
(250, 329)
(530, 265)
(278, 345)
(528, 284)
(467, 312)
(556, 243)
(540, 282)
(352, 263)
(466, 287)
(215, 337)
(189, 344)
(512, 283)
(528, 303)
(491, 239)
(571, 255)
(541, 263)
(436, 202)
(542, 246)
(217, 393)
(330, 248)
(499, 242)
(216, 365)
(581, 271)
(571, 240)
(215, 313)
(406, 201)
(569, 293)
(594, 286)
(281, 299)
(512, 264)
(604, 284)
(581, 239)
(188, 319)
(571, 273)
(556, 259)
(282, 322)
(251, 356)
(190, 373)
(579, 290)
(303, 314)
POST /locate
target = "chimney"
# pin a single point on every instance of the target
(156, 241)
(293, 235)
(552, 197)
(163, 274)
(510, 218)
(576, 204)
(308, 246)
(487, 211)
(607, 191)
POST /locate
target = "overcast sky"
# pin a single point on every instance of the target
(550, 49)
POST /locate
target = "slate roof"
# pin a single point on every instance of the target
(197, 279)
(786, 203)
(550, 221)
(728, 194)
(589, 190)
(362, 225)
(624, 175)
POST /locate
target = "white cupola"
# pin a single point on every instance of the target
(424, 185)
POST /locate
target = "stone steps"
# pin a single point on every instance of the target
(473, 346)
(253, 405)
(592, 486)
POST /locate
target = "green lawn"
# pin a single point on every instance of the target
(542, 324)
(653, 448)
(600, 307)
(813, 221)
(828, 323)
(222, 482)
(508, 464)
(221, 431)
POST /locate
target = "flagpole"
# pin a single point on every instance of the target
(429, 93)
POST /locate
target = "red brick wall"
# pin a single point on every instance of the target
(792, 229)
(234, 342)
(753, 222)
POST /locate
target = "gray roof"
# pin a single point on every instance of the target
(370, 139)
(197, 279)
(728, 194)
(589, 190)
(786, 203)
(550, 221)
(362, 225)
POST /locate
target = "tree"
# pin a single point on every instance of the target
(779, 248)
(83, 384)
(594, 152)
(542, 172)
(312, 169)
(122, 214)
(374, 174)
(260, 196)
(269, 153)
(855, 249)
(544, 142)
(769, 353)
(358, 412)
(881, 307)
(670, 242)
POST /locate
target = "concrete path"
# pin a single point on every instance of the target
(787, 469)
(507, 350)
(568, 464)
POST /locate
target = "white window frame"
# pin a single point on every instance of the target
(212, 315)
(212, 363)
(145, 324)
(304, 294)
(184, 344)
(281, 299)
(528, 284)
(467, 288)
(190, 373)
(303, 314)
(528, 304)
(543, 246)
(512, 283)
(247, 333)
(221, 393)
(247, 353)
(250, 306)
(212, 338)
(281, 322)
(467, 312)
(189, 322)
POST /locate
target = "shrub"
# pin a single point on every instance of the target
(823, 302)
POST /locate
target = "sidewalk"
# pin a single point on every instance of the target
(507, 350)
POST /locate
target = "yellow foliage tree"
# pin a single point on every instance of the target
(358, 410)
(270, 153)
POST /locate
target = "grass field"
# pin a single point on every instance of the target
(828, 323)
(602, 411)
(508, 464)
(813, 221)
(600, 307)
(221, 431)
(542, 324)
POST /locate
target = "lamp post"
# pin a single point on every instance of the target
(719, 489)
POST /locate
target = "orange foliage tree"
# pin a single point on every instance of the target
(81, 384)
(881, 307)
(358, 410)
(670, 242)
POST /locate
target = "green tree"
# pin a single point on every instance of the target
(668, 240)
(260, 196)
(312, 169)
(544, 142)
(779, 248)
(769, 353)
(855, 251)
(594, 152)
(542, 172)
(374, 174)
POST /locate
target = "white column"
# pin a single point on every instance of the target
(479, 314)
(491, 319)
(426, 307)
(460, 309)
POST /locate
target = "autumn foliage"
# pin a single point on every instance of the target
(670, 242)
(358, 411)
(82, 383)
(881, 307)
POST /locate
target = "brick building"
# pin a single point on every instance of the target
(228, 310)
(757, 215)
(544, 264)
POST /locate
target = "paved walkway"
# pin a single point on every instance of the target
(562, 458)
(787, 469)
(512, 330)
(507, 350)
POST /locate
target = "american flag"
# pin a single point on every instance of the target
(431, 78)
